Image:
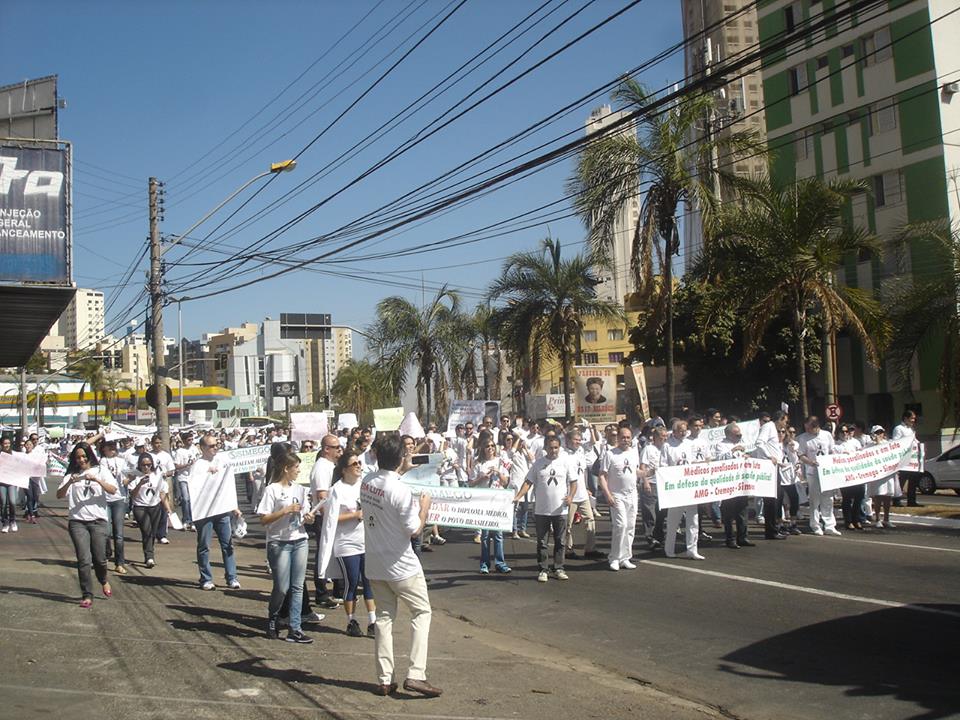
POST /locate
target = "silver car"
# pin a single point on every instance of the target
(941, 472)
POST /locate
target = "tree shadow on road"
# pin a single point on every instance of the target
(51, 561)
(906, 654)
(44, 594)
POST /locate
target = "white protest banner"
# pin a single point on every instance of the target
(471, 508)
(473, 411)
(411, 426)
(308, 426)
(213, 488)
(388, 419)
(875, 462)
(913, 462)
(596, 392)
(17, 468)
(133, 430)
(426, 474)
(682, 485)
(546, 406)
(55, 466)
(636, 379)
(247, 459)
(749, 428)
(347, 421)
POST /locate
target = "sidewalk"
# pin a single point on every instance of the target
(163, 648)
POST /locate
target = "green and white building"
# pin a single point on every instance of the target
(875, 95)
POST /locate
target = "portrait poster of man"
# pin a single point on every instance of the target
(596, 392)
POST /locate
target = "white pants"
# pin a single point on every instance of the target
(623, 521)
(588, 522)
(691, 531)
(413, 593)
(821, 506)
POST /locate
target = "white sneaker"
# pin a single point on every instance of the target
(542, 577)
(833, 531)
(234, 584)
(13, 526)
(208, 585)
(627, 565)
(760, 520)
(615, 566)
(878, 524)
(5, 528)
(560, 575)
(818, 531)
(151, 563)
(163, 541)
(694, 555)
(890, 525)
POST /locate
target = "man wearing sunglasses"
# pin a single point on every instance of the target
(321, 477)
(213, 500)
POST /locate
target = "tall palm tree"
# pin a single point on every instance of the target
(90, 370)
(924, 313)
(778, 252)
(545, 301)
(611, 169)
(362, 387)
(425, 338)
(113, 385)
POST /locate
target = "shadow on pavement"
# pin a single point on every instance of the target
(907, 655)
(51, 561)
(232, 620)
(34, 592)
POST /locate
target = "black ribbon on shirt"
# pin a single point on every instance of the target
(552, 480)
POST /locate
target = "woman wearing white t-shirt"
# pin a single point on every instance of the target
(148, 492)
(790, 474)
(884, 490)
(86, 486)
(491, 470)
(116, 503)
(281, 511)
(343, 540)
(515, 450)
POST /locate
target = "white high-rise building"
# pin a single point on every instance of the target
(617, 280)
(82, 322)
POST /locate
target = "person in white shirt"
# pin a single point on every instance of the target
(86, 487)
(733, 510)
(770, 447)
(183, 459)
(148, 495)
(211, 478)
(577, 457)
(680, 451)
(514, 449)
(703, 452)
(283, 510)
(790, 473)
(391, 517)
(619, 473)
(163, 461)
(462, 447)
(652, 516)
(490, 470)
(116, 467)
(321, 478)
(852, 495)
(882, 491)
(907, 430)
(813, 443)
(554, 487)
(343, 540)
(435, 438)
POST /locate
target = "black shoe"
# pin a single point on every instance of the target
(746, 543)
(775, 536)
(571, 555)
(705, 538)
(794, 530)
(656, 545)
(325, 601)
(372, 629)
(272, 633)
(594, 555)
(914, 504)
(353, 629)
(732, 544)
(295, 636)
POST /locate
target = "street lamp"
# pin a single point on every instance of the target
(157, 252)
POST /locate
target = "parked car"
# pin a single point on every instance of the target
(941, 472)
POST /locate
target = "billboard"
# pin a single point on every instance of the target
(34, 234)
(596, 392)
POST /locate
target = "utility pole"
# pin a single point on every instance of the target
(156, 314)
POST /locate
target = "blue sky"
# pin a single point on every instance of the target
(172, 89)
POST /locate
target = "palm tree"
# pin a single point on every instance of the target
(425, 338)
(924, 315)
(90, 370)
(479, 339)
(777, 254)
(362, 387)
(113, 385)
(546, 299)
(611, 169)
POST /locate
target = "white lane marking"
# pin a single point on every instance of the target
(802, 588)
(136, 697)
(242, 692)
(902, 545)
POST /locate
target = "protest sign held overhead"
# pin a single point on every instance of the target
(388, 419)
(596, 392)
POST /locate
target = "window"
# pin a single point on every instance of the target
(616, 334)
(883, 117)
(846, 51)
(798, 79)
(615, 357)
(591, 358)
(589, 335)
(887, 189)
(804, 146)
(791, 16)
(823, 62)
(876, 47)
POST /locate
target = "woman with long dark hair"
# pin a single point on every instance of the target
(281, 511)
(148, 492)
(86, 486)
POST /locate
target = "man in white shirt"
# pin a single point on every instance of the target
(580, 502)
(814, 443)
(907, 430)
(321, 477)
(678, 450)
(162, 460)
(702, 452)
(652, 516)
(183, 459)
(391, 517)
(733, 510)
(553, 487)
(770, 447)
(619, 473)
(435, 438)
(213, 500)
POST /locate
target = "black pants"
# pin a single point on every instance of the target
(305, 607)
(90, 543)
(851, 505)
(908, 482)
(147, 520)
(734, 510)
(558, 524)
(790, 492)
(773, 507)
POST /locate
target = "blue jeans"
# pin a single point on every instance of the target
(520, 516)
(33, 498)
(185, 503)
(486, 536)
(288, 566)
(115, 513)
(205, 529)
(8, 503)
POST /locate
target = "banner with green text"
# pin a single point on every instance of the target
(683, 485)
(869, 465)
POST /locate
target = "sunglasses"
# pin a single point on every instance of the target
(355, 463)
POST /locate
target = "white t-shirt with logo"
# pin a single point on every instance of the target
(391, 515)
(813, 445)
(620, 467)
(86, 499)
(277, 496)
(678, 451)
(115, 468)
(652, 457)
(184, 456)
(153, 485)
(551, 480)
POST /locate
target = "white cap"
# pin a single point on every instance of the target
(876, 428)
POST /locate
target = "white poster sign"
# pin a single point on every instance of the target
(388, 419)
(474, 411)
(347, 421)
(472, 508)
(596, 392)
(213, 488)
(868, 465)
(426, 474)
(308, 426)
(682, 485)
(17, 468)
(247, 459)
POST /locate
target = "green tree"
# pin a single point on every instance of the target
(545, 300)
(361, 387)
(777, 254)
(90, 370)
(112, 386)
(924, 312)
(611, 169)
(426, 339)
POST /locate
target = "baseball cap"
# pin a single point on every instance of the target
(876, 429)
